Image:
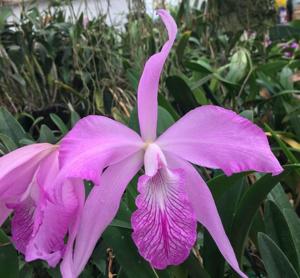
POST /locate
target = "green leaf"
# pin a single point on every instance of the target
(276, 263)
(8, 142)
(5, 12)
(10, 127)
(183, 95)
(9, 266)
(59, 123)
(74, 117)
(166, 105)
(195, 268)
(284, 148)
(248, 114)
(286, 78)
(277, 227)
(223, 189)
(278, 197)
(248, 207)
(182, 44)
(238, 66)
(46, 135)
(4, 239)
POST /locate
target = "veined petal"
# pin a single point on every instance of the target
(52, 219)
(205, 210)
(22, 223)
(99, 210)
(148, 85)
(164, 225)
(17, 169)
(47, 241)
(95, 143)
(215, 137)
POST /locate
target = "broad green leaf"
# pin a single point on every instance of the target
(223, 189)
(289, 229)
(46, 135)
(277, 227)
(10, 127)
(249, 205)
(9, 266)
(166, 104)
(286, 78)
(8, 142)
(4, 239)
(183, 95)
(59, 123)
(276, 263)
(74, 117)
(238, 66)
(248, 114)
(195, 268)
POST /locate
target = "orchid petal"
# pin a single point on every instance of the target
(164, 225)
(148, 85)
(52, 220)
(48, 241)
(215, 137)
(95, 143)
(67, 268)
(4, 212)
(205, 210)
(17, 169)
(99, 210)
(152, 159)
(22, 224)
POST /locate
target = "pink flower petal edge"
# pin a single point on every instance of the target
(93, 144)
(215, 137)
(99, 210)
(205, 209)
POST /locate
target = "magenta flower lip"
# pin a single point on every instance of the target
(172, 195)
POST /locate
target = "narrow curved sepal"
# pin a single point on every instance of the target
(148, 85)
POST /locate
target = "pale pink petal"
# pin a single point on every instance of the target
(17, 169)
(164, 224)
(152, 159)
(215, 137)
(4, 212)
(47, 242)
(22, 223)
(205, 210)
(39, 227)
(95, 143)
(148, 85)
(99, 210)
(67, 267)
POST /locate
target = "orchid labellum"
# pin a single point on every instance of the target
(172, 195)
(38, 226)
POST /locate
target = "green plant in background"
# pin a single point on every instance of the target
(50, 65)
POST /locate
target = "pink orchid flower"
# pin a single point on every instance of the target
(38, 226)
(172, 195)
